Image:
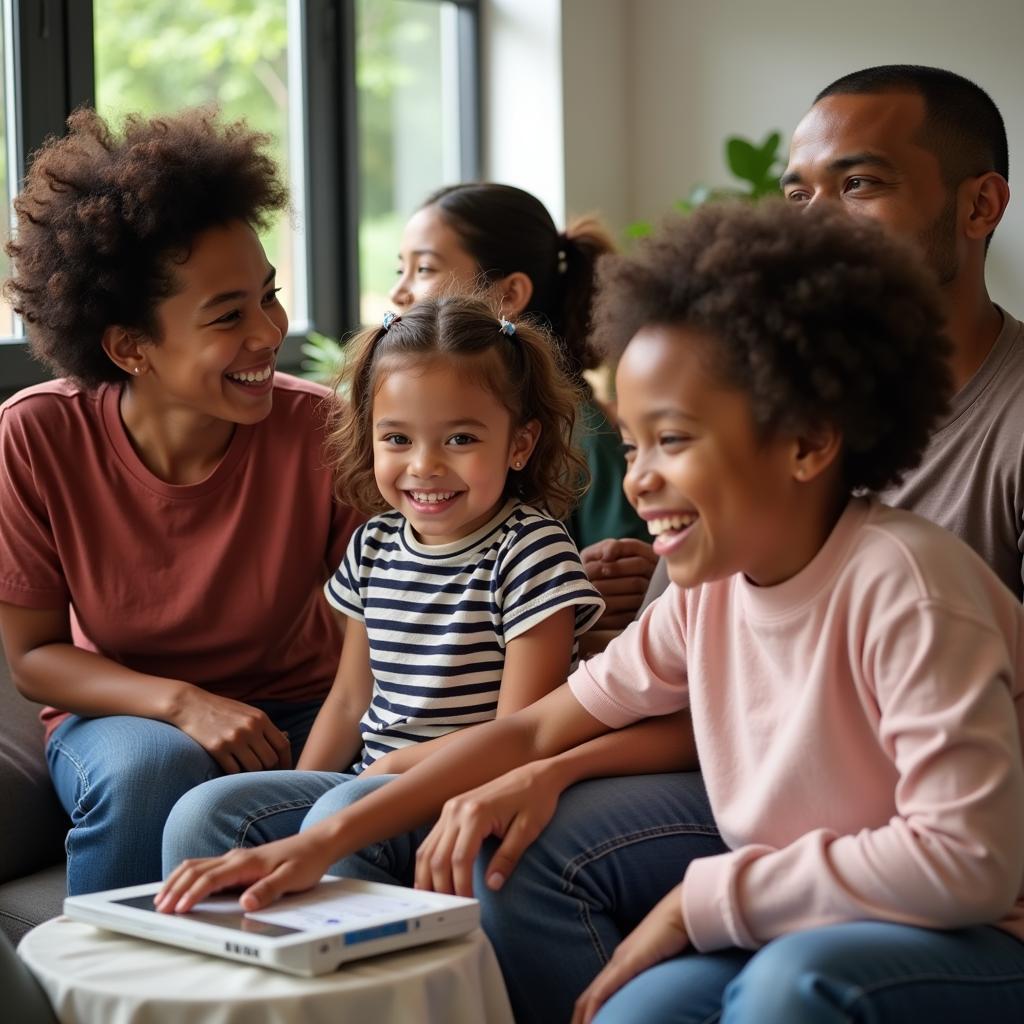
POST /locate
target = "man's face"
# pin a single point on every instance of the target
(864, 152)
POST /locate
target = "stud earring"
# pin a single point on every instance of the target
(517, 464)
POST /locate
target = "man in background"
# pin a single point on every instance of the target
(923, 152)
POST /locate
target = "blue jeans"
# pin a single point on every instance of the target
(864, 972)
(613, 849)
(118, 778)
(249, 810)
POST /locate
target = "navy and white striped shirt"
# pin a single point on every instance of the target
(438, 618)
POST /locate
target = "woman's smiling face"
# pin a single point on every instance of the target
(220, 331)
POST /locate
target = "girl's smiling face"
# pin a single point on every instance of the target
(443, 445)
(719, 498)
(431, 258)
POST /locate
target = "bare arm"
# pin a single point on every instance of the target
(518, 805)
(535, 663)
(335, 740)
(551, 725)
(47, 668)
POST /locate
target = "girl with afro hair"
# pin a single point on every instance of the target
(854, 673)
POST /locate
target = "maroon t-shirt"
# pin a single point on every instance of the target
(216, 583)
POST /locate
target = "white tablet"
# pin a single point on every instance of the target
(312, 933)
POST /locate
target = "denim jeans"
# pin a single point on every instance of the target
(864, 972)
(118, 778)
(249, 810)
(613, 849)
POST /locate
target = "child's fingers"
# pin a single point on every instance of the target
(433, 859)
(261, 894)
(194, 880)
(463, 857)
(520, 835)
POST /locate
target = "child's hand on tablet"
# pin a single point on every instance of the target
(269, 872)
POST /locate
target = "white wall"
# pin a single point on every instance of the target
(622, 105)
(704, 69)
(521, 59)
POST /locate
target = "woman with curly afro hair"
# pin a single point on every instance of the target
(168, 519)
(854, 673)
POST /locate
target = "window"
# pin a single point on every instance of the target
(371, 105)
(162, 55)
(408, 116)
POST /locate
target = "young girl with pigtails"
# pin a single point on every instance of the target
(463, 595)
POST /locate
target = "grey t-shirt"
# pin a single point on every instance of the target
(971, 476)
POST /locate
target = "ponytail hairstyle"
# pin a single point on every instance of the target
(507, 230)
(517, 363)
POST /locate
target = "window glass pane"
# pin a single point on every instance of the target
(407, 81)
(162, 55)
(7, 175)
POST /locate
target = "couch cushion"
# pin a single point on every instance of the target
(34, 824)
(31, 901)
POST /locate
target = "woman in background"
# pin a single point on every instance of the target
(503, 238)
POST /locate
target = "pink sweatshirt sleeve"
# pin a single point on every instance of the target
(951, 856)
(642, 672)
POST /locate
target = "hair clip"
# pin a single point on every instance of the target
(390, 317)
(506, 327)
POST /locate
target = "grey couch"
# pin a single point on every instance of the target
(32, 822)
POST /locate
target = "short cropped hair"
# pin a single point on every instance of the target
(102, 220)
(820, 319)
(963, 126)
(524, 371)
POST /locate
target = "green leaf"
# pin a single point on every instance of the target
(638, 229)
(754, 164)
(742, 158)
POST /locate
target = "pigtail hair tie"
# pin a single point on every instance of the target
(390, 317)
(507, 327)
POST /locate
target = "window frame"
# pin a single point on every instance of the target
(54, 73)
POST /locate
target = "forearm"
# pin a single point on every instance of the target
(470, 758)
(663, 744)
(406, 758)
(334, 742)
(88, 684)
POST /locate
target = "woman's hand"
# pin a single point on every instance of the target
(288, 865)
(239, 737)
(621, 571)
(516, 806)
(659, 936)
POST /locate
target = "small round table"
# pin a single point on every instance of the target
(94, 976)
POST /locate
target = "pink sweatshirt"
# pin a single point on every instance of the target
(859, 729)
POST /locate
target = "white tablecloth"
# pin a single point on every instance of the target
(97, 977)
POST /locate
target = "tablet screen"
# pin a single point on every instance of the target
(223, 915)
